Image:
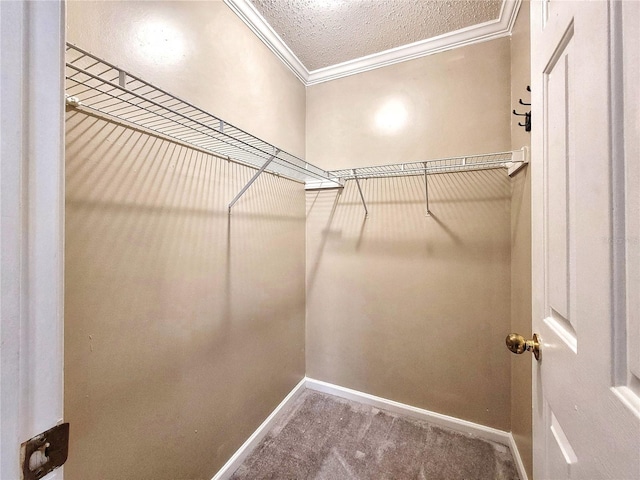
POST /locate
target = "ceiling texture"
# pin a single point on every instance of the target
(320, 40)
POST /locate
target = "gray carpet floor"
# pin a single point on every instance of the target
(323, 437)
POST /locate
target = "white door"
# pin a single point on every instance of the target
(31, 229)
(586, 246)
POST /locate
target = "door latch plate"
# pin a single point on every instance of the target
(44, 452)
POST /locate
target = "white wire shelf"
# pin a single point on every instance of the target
(443, 165)
(512, 161)
(99, 86)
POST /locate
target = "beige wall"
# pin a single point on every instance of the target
(521, 408)
(202, 52)
(453, 103)
(184, 327)
(408, 307)
(400, 305)
(520, 75)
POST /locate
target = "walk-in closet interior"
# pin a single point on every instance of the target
(389, 255)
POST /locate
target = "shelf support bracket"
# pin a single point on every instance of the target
(253, 179)
(426, 190)
(364, 204)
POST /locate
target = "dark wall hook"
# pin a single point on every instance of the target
(526, 115)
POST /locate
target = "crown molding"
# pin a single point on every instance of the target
(258, 25)
(483, 32)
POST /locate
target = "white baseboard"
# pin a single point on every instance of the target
(256, 437)
(434, 418)
(452, 423)
(522, 472)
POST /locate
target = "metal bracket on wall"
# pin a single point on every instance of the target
(519, 159)
(426, 190)
(253, 179)
(364, 204)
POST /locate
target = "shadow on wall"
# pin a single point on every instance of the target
(461, 205)
(184, 326)
(403, 305)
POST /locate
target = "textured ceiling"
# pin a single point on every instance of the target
(327, 32)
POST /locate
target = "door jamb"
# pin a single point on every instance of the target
(32, 37)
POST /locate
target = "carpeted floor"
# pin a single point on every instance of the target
(322, 437)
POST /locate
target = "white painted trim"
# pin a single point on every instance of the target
(258, 25)
(522, 472)
(483, 32)
(31, 225)
(467, 36)
(520, 159)
(452, 423)
(256, 437)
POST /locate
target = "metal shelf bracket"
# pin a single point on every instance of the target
(253, 179)
(426, 190)
(519, 160)
(364, 204)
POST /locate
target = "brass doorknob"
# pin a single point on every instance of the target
(517, 344)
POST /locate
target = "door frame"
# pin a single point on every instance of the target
(32, 36)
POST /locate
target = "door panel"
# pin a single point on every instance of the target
(561, 453)
(557, 162)
(628, 260)
(584, 266)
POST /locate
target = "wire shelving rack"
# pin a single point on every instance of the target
(444, 165)
(512, 161)
(101, 87)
